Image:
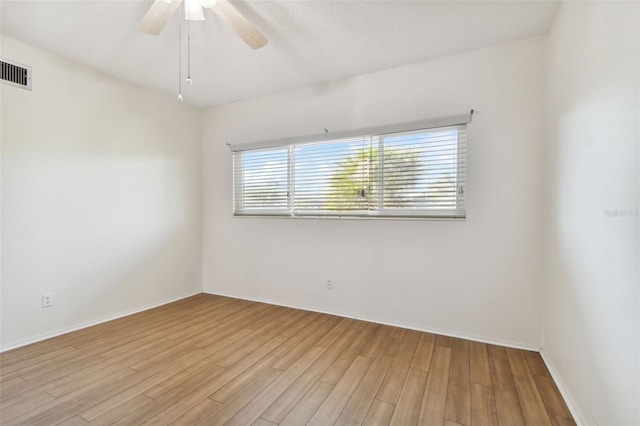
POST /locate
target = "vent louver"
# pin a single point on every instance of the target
(16, 74)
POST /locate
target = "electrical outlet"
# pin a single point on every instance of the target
(47, 300)
(329, 284)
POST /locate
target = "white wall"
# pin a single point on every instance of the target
(477, 278)
(592, 321)
(101, 197)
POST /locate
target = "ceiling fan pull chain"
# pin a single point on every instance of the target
(180, 97)
(189, 81)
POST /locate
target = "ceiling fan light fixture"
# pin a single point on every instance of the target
(208, 3)
(156, 17)
(193, 11)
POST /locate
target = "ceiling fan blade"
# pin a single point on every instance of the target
(243, 28)
(153, 22)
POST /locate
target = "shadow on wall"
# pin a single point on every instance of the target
(103, 235)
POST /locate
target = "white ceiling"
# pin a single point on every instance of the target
(309, 41)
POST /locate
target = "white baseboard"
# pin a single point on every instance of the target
(50, 334)
(408, 327)
(571, 404)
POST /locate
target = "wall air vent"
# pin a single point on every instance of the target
(16, 74)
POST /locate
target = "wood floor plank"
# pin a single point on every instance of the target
(196, 413)
(434, 400)
(483, 406)
(121, 340)
(296, 328)
(168, 390)
(170, 374)
(332, 406)
(95, 372)
(398, 332)
(211, 360)
(42, 361)
(562, 421)
(363, 397)
(479, 367)
(262, 422)
(533, 409)
(173, 407)
(504, 391)
(55, 364)
(73, 421)
(288, 399)
(243, 372)
(379, 414)
(238, 348)
(17, 407)
(307, 337)
(9, 387)
(251, 371)
(29, 355)
(175, 401)
(334, 349)
(61, 408)
(337, 370)
(102, 371)
(261, 335)
(227, 410)
(16, 388)
(170, 406)
(261, 402)
(375, 343)
(408, 407)
(118, 412)
(393, 382)
(209, 388)
(203, 387)
(458, 408)
(308, 405)
(268, 329)
(551, 397)
(338, 330)
(241, 319)
(536, 364)
(498, 352)
(444, 341)
(422, 358)
(257, 357)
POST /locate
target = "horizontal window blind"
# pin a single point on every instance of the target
(262, 181)
(418, 173)
(423, 173)
(331, 177)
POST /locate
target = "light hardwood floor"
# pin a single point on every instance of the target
(216, 360)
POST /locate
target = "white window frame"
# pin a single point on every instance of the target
(378, 134)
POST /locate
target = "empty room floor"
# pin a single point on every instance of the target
(216, 360)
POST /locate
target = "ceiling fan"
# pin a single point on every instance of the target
(160, 11)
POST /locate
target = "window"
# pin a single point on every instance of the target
(418, 173)
(263, 178)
